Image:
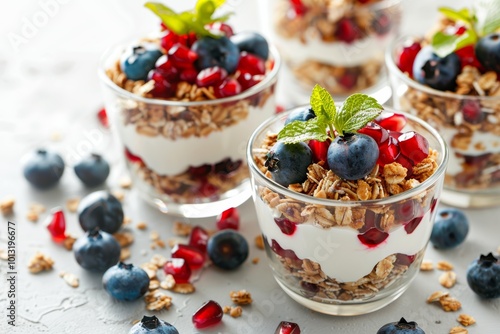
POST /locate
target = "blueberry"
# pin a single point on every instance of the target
(251, 42)
(352, 156)
(300, 115)
(125, 282)
(138, 60)
(401, 327)
(438, 73)
(227, 249)
(483, 276)
(288, 162)
(96, 250)
(152, 325)
(92, 170)
(43, 168)
(488, 51)
(100, 210)
(216, 52)
(450, 228)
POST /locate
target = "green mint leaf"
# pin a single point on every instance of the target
(464, 16)
(487, 14)
(444, 44)
(170, 18)
(298, 131)
(355, 113)
(322, 104)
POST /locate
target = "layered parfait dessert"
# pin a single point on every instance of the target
(338, 44)
(345, 197)
(184, 103)
(450, 79)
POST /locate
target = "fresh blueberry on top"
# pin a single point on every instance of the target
(152, 325)
(450, 228)
(100, 210)
(125, 282)
(43, 168)
(96, 250)
(216, 52)
(288, 163)
(92, 170)
(438, 73)
(483, 276)
(251, 42)
(300, 115)
(138, 60)
(227, 249)
(488, 52)
(401, 327)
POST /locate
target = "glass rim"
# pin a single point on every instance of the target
(269, 79)
(383, 4)
(276, 187)
(394, 70)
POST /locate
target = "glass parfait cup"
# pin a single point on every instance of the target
(187, 157)
(344, 257)
(470, 125)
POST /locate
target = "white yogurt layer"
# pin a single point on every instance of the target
(338, 250)
(170, 157)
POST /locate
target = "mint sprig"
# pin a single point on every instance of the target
(195, 20)
(356, 111)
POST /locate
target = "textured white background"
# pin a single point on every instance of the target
(48, 84)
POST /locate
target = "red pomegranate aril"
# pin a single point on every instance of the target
(200, 171)
(102, 116)
(252, 64)
(198, 238)
(288, 253)
(193, 256)
(228, 87)
(412, 225)
(434, 202)
(207, 189)
(319, 150)
(57, 226)
(286, 327)
(372, 220)
(414, 146)
(391, 121)
(179, 269)
(189, 75)
(347, 31)
(405, 211)
(280, 108)
(467, 56)
(471, 110)
(162, 87)
(298, 7)
(388, 151)
(229, 218)
(286, 226)
(182, 56)
(168, 39)
(188, 39)
(209, 314)
(132, 157)
(221, 27)
(165, 66)
(406, 163)
(373, 237)
(407, 57)
(404, 259)
(348, 80)
(248, 80)
(211, 76)
(376, 132)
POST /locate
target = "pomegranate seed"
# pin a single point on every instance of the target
(57, 225)
(319, 150)
(162, 87)
(182, 56)
(211, 76)
(376, 132)
(179, 269)
(364, 1)
(406, 163)
(207, 315)
(467, 56)
(189, 75)
(193, 256)
(188, 39)
(471, 110)
(280, 109)
(132, 157)
(227, 166)
(412, 225)
(460, 30)
(248, 80)
(221, 27)
(309, 289)
(163, 27)
(478, 161)
(414, 146)
(405, 260)
(371, 220)
(407, 57)
(347, 31)
(373, 237)
(229, 218)
(198, 238)
(165, 66)
(298, 7)
(288, 253)
(102, 116)
(433, 204)
(168, 39)
(200, 171)
(391, 121)
(286, 327)
(228, 87)
(388, 151)
(382, 24)
(252, 64)
(348, 80)
(207, 189)
(405, 211)
(286, 226)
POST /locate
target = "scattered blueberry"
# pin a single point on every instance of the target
(352, 156)
(43, 168)
(96, 250)
(401, 327)
(102, 210)
(488, 51)
(288, 162)
(227, 249)
(438, 73)
(125, 282)
(138, 60)
(152, 325)
(92, 170)
(483, 276)
(450, 228)
(300, 115)
(216, 52)
(251, 42)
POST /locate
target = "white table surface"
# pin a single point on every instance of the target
(48, 85)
